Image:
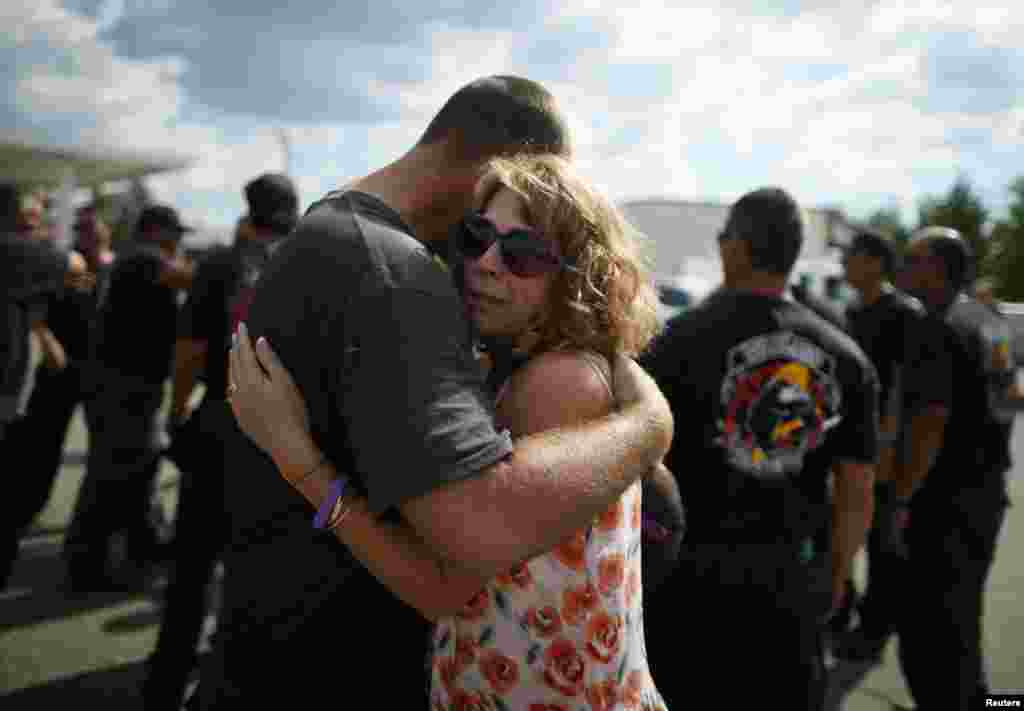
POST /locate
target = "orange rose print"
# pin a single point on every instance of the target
(612, 518)
(570, 552)
(611, 571)
(448, 670)
(604, 635)
(577, 603)
(478, 701)
(501, 672)
(603, 695)
(476, 607)
(631, 689)
(564, 668)
(546, 621)
(519, 577)
(465, 652)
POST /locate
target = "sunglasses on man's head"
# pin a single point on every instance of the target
(523, 252)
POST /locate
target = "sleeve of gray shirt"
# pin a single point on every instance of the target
(417, 413)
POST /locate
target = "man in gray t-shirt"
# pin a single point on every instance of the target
(364, 315)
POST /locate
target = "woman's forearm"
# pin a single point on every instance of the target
(391, 552)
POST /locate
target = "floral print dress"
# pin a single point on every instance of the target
(561, 632)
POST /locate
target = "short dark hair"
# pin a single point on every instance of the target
(500, 116)
(874, 244)
(956, 255)
(163, 217)
(273, 202)
(770, 222)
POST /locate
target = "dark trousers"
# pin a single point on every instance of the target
(950, 553)
(879, 605)
(32, 453)
(200, 536)
(742, 617)
(120, 472)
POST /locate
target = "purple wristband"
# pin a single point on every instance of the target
(653, 530)
(334, 492)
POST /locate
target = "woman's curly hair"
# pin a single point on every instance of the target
(607, 304)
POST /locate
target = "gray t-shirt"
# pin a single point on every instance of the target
(368, 322)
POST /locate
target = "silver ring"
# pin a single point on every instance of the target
(232, 389)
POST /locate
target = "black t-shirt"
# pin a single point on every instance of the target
(766, 396)
(72, 317)
(138, 321)
(821, 307)
(219, 298)
(30, 272)
(370, 326)
(905, 347)
(971, 464)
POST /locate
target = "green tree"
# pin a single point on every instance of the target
(962, 210)
(889, 222)
(1006, 254)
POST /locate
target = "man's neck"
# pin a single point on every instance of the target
(871, 293)
(759, 283)
(418, 186)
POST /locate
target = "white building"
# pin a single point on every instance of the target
(681, 244)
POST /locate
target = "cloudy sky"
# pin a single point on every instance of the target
(857, 108)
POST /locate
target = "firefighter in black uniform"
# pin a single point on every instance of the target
(768, 399)
(953, 498)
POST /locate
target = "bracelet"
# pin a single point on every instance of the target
(328, 507)
(339, 514)
(654, 530)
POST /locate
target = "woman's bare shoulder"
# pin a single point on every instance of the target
(556, 389)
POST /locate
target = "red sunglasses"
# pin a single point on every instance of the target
(525, 254)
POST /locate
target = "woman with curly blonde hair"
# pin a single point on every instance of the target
(555, 287)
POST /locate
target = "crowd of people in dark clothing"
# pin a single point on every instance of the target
(774, 437)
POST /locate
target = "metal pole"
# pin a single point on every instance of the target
(64, 208)
(286, 148)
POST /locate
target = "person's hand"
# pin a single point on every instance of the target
(265, 399)
(78, 276)
(635, 388)
(55, 360)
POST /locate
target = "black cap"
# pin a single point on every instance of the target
(950, 246)
(273, 202)
(874, 244)
(161, 216)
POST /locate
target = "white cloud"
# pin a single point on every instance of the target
(26, 19)
(843, 94)
(109, 14)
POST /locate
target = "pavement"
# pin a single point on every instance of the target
(57, 651)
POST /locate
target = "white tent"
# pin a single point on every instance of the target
(68, 168)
